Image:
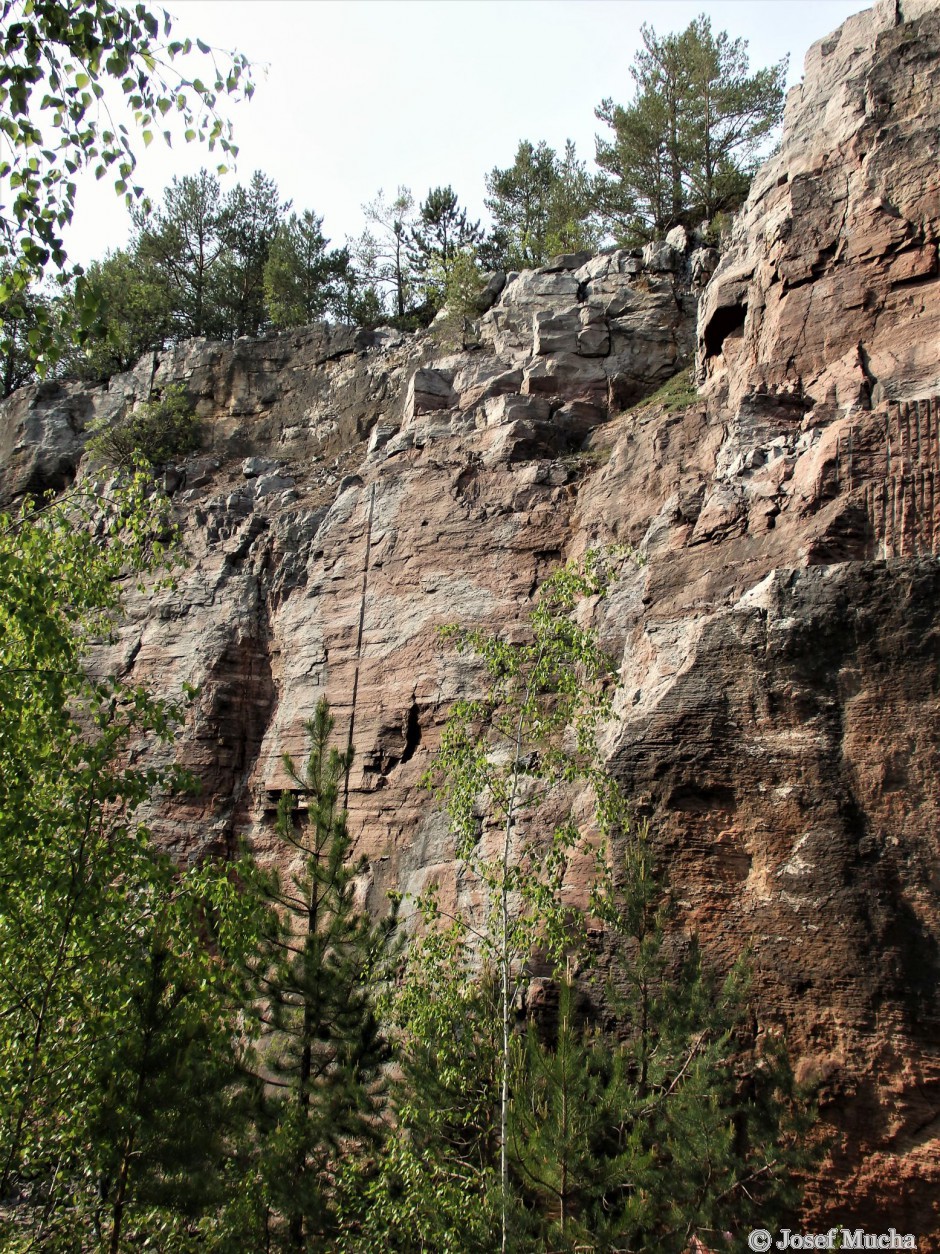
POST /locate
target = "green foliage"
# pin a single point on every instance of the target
(463, 286)
(435, 1184)
(133, 315)
(520, 201)
(445, 1012)
(541, 206)
(573, 224)
(708, 1140)
(570, 1092)
(249, 222)
(676, 393)
(56, 61)
(639, 1141)
(381, 252)
(28, 317)
(211, 252)
(321, 1047)
(163, 1081)
(415, 1201)
(115, 1019)
(719, 230)
(686, 147)
(155, 433)
(180, 241)
(502, 760)
(443, 233)
(303, 280)
(538, 717)
(206, 264)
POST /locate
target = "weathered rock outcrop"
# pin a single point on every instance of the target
(831, 286)
(780, 710)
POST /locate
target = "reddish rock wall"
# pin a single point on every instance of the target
(780, 711)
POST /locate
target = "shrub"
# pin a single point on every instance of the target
(155, 433)
(463, 286)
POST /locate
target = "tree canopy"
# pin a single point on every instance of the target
(541, 205)
(381, 251)
(81, 89)
(443, 232)
(304, 279)
(686, 146)
(59, 63)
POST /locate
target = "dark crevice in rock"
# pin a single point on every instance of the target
(690, 798)
(875, 391)
(723, 322)
(916, 280)
(412, 735)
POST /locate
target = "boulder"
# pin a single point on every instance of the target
(556, 332)
(429, 390)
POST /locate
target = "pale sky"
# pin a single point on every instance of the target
(354, 95)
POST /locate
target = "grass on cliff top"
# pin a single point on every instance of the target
(675, 394)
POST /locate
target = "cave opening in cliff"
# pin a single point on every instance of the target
(723, 322)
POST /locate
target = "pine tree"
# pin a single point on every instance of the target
(708, 1139)
(381, 252)
(686, 147)
(248, 224)
(303, 278)
(573, 223)
(520, 201)
(570, 1091)
(181, 240)
(444, 232)
(165, 1080)
(541, 205)
(321, 1045)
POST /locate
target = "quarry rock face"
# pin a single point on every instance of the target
(830, 287)
(778, 717)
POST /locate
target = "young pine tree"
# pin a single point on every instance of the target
(570, 1091)
(442, 234)
(322, 1049)
(711, 1137)
(167, 1089)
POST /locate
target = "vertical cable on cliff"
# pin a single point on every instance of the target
(362, 617)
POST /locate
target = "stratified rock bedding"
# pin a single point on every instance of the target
(780, 704)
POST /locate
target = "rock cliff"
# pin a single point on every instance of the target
(780, 707)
